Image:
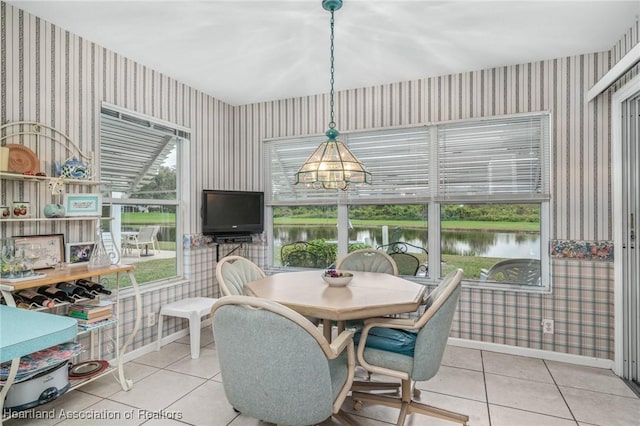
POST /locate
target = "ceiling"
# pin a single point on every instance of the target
(251, 51)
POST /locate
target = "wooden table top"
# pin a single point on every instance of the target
(369, 294)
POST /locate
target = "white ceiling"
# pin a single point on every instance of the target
(250, 51)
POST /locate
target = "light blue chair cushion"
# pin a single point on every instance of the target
(236, 274)
(430, 343)
(272, 369)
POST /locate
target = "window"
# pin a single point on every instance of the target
(444, 190)
(142, 190)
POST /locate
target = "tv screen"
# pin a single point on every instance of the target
(232, 212)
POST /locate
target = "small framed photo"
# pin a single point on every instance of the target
(82, 204)
(46, 251)
(78, 254)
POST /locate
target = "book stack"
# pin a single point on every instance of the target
(92, 312)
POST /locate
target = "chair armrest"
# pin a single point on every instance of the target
(400, 323)
(403, 323)
(341, 342)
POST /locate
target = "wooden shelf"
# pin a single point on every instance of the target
(55, 219)
(29, 178)
(54, 276)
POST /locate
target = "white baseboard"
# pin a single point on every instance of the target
(533, 353)
(130, 356)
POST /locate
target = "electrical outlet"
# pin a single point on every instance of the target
(547, 326)
(151, 319)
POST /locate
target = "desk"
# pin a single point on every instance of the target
(369, 294)
(23, 332)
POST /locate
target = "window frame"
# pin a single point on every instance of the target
(183, 192)
(432, 198)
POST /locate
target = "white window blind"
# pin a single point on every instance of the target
(495, 159)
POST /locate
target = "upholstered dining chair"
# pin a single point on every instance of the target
(276, 366)
(411, 350)
(368, 260)
(233, 272)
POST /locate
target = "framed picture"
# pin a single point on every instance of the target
(79, 253)
(82, 204)
(45, 251)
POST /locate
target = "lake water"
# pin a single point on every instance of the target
(460, 242)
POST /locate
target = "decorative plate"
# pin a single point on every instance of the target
(87, 369)
(22, 159)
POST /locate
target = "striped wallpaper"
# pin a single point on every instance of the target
(50, 75)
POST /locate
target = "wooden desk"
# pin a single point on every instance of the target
(369, 294)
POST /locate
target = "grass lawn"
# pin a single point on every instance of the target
(147, 271)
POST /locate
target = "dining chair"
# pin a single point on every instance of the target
(233, 272)
(410, 350)
(368, 260)
(276, 366)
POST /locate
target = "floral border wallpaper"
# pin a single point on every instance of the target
(601, 251)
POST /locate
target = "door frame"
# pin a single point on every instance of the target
(627, 91)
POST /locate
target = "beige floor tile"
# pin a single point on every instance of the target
(456, 382)
(105, 413)
(206, 338)
(169, 354)
(505, 416)
(108, 385)
(206, 366)
(516, 366)
(476, 410)
(158, 391)
(601, 408)
(526, 395)
(205, 405)
(456, 356)
(589, 378)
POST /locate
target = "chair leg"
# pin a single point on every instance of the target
(408, 406)
(159, 343)
(194, 335)
(440, 413)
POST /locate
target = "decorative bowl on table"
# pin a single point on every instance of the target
(337, 278)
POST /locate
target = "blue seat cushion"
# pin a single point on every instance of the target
(390, 339)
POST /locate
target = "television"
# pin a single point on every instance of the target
(232, 214)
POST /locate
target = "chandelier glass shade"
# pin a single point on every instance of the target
(332, 165)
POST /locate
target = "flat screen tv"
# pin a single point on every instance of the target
(231, 213)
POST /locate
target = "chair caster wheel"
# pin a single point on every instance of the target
(416, 393)
(357, 405)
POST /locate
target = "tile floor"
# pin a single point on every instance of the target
(492, 388)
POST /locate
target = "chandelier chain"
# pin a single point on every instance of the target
(332, 123)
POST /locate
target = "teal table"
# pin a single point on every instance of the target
(23, 332)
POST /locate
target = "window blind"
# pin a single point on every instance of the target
(496, 159)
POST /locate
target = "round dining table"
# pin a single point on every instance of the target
(367, 295)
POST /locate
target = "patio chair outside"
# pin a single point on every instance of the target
(146, 237)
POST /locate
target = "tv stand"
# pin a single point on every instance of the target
(224, 239)
(230, 239)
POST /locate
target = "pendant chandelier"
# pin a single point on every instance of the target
(332, 165)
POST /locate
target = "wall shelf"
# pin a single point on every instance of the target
(32, 178)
